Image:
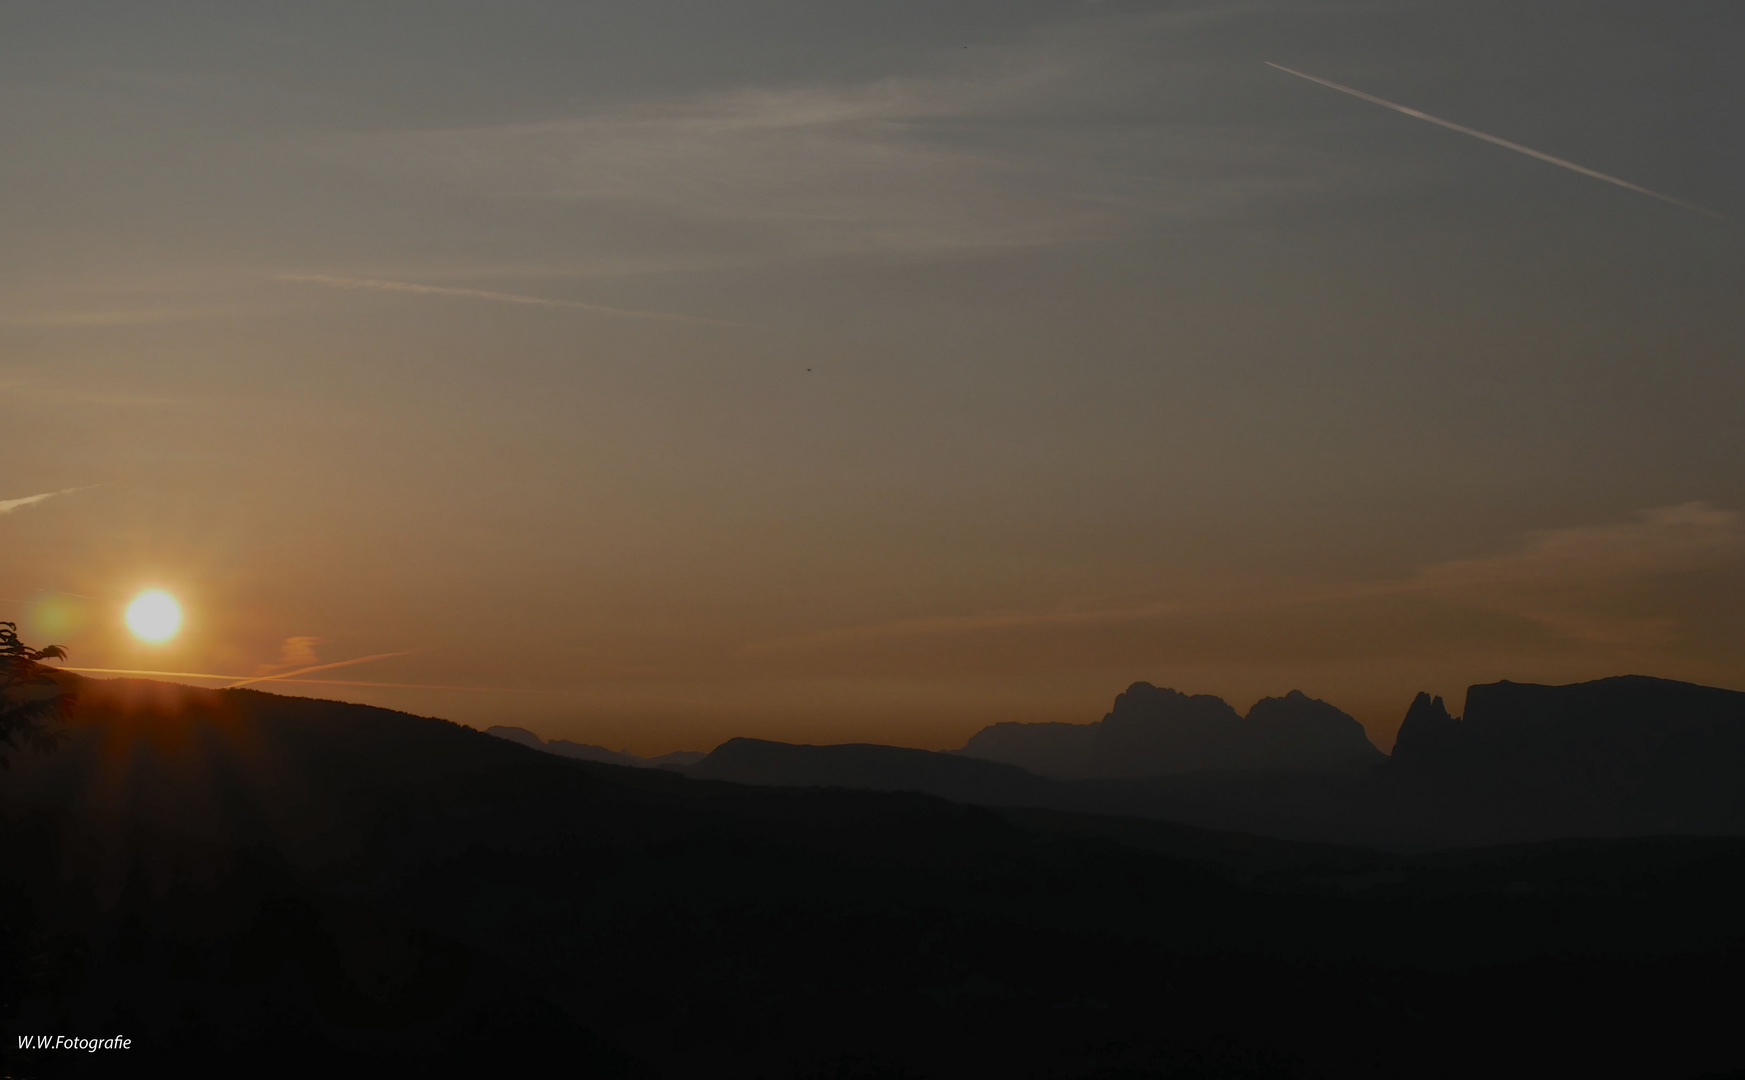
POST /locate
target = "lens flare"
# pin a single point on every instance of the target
(57, 616)
(154, 616)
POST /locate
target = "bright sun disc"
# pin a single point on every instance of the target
(154, 616)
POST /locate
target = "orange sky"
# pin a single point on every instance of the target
(647, 380)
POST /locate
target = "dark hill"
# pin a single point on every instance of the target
(1156, 732)
(874, 768)
(247, 883)
(1337, 806)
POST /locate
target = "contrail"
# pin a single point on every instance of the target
(311, 682)
(9, 505)
(1517, 147)
(381, 285)
(310, 670)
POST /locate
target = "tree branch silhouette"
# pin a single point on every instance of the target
(33, 696)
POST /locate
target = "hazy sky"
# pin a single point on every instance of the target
(662, 372)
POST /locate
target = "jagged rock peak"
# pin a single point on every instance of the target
(1145, 702)
(1426, 730)
(1427, 709)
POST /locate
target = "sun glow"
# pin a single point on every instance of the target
(154, 616)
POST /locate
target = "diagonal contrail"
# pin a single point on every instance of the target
(1506, 144)
(309, 670)
(9, 505)
(333, 281)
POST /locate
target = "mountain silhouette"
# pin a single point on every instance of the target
(1156, 732)
(1628, 756)
(1618, 731)
(589, 752)
(1625, 756)
(309, 887)
(1426, 734)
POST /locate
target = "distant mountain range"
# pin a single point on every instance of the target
(317, 888)
(1629, 756)
(589, 752)
(1157, 732)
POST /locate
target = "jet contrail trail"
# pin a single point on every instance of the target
(9, 505)
(310, 670)
(242, 680)
(1517, 147)
(333, 281)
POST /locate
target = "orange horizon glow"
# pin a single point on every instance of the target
(873, 393)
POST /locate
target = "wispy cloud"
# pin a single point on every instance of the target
(1569, 580)
(297, 651)
(1074, 134)
(9, 505)
(378, 285)
(101, 317)
(807, 170)
(1666, 539)
(1505, 143)
(1550, 579)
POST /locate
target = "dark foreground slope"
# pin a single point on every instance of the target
(270, 885)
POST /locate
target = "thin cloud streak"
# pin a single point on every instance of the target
(308, 682)
(379, 285)
(9, 505)
(1505, 143)
(122, 316)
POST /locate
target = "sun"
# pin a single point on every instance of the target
(154, 616)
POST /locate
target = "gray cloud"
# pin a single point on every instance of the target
(1033, 143)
